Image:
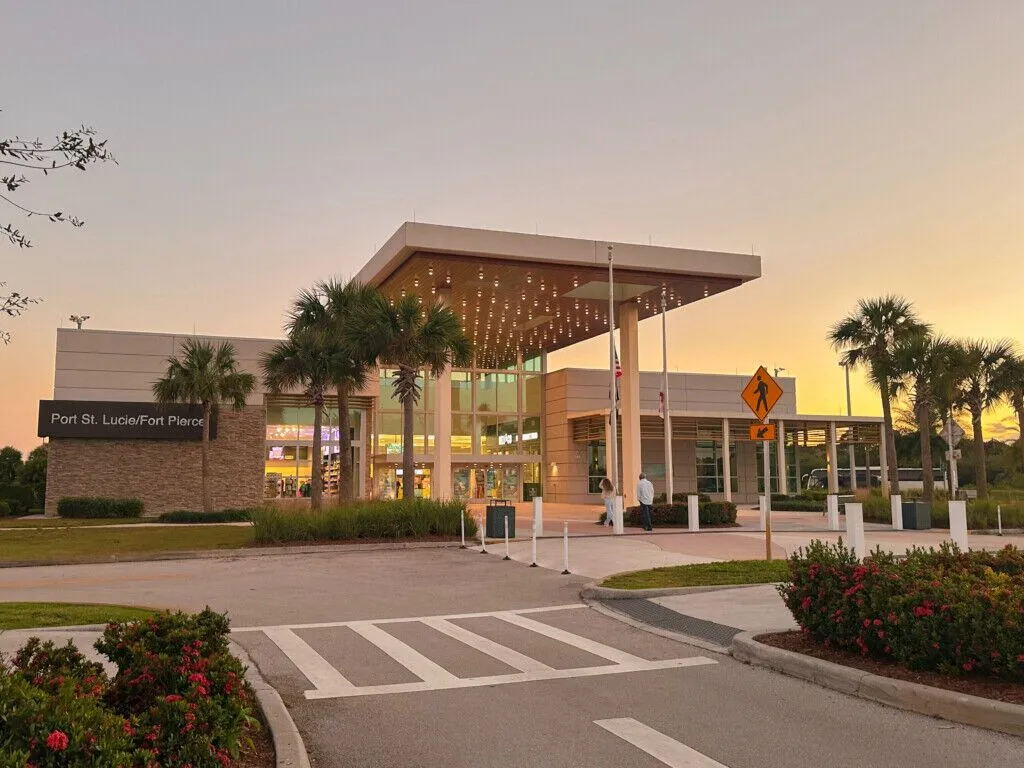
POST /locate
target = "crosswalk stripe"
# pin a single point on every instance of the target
(408, 657)
(584, 644)
(659, 746)
(485, 645)
(315, 667)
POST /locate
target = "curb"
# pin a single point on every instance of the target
(235, 554)
(594, 591)
(666, 633)
(288, 744)
(914, 697)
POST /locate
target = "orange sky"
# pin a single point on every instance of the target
(859, 149)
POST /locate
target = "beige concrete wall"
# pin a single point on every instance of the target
(165, 474)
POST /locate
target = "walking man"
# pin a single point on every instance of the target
(645, 497)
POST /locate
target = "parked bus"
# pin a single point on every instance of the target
(911, 478)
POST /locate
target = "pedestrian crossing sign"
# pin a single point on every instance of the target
(761, 393)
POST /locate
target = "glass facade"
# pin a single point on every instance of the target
(711, 467)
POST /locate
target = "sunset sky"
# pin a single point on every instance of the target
(858, 148)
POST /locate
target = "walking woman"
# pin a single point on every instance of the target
(608, 497)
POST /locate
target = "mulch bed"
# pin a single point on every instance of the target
(986, 687)
(262, 753)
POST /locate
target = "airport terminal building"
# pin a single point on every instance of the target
(506, 427)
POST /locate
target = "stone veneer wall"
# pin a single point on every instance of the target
(165, 474)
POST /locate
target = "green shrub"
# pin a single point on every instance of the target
(709, 513)
(49, 667)
(797, 504)
(943, 610)
(20, 498)
(5, 509)
(221, 516)
(681, 498)
(370, 519)
(98, 507)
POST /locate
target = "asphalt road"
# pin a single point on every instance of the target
(508, 687)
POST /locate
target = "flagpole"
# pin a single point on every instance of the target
(666, 418)
(611, 451)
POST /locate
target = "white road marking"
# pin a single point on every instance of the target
(408, 657)
(315, 667)
(659, 746)
(329, 683)
(520, 677)
(597, 649)
(450, 616)
(508, 656)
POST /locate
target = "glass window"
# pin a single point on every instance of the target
(496, 392)
(462, 393)
(530, 439)
(462, 433)
(533, 392)
(596, 464)
(531, 481)
(497, 434)
(389, 432)
(531, 363)
(710, 467)
(388, 401)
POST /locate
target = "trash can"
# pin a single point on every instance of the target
(917, 515)
(498, 510)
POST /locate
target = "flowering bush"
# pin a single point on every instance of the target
(945, 610)
(178, 699)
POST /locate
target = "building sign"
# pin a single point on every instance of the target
(122, 421)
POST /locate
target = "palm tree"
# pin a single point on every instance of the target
(305, 359)
(980, 374)
(1011, 386)
(330, 306)
(206, 375)
(411, 337)
(922, 368)
(869, 337)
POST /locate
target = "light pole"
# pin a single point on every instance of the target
(850, 449)
(666, 419)
(777, 372)
(78, 320)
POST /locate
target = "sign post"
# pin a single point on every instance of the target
(761, 395)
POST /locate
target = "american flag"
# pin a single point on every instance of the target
(618, 368)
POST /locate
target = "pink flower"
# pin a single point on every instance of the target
(57, 741)
(805, 603)
(173, 697)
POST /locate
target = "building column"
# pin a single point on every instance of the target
(796, 461)
(853, 461)
(441, 480)
(883, 461)
(780, 459)
(629, 315)
(726, 460)
(833, 459)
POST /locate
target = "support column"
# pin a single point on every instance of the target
(780, 459)
(441, 481)
(883, 461)
(629, 315)
(726, 460)
(853, 465)
(796, 461)
(833, 458)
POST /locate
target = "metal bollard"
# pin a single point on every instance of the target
(533, 533)
(999, 518)
(483, 542)
(507, 556)
(462, 525)
(565, 547)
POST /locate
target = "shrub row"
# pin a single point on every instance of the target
(797, 504)
(20, 498)
(981, 513)
(220, 516)
(949, 611)
(98, 507)
(178, 699)
(681, 497)
(709, 513)
(370, 519)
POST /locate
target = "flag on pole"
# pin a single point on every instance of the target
(661, 404)
(618, 375)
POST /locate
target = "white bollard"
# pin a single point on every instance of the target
(693, 511)
(896, 507)
(565, 547)
(999, 518)
(533, 534)
(855, 529)
(507, 556)
(620, 515)
(538, 514)
(462, 524)
(483, 542)
(832, 512)
(958, 524)
(762, 508)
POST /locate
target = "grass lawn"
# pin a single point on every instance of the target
(702, 575)
(32, 615)
(59, 522)
(89, 543)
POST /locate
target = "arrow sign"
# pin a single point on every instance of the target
(762, 431)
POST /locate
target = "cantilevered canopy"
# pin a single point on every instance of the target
(530, 293)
